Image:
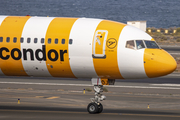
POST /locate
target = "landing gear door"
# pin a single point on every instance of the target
(99, 44)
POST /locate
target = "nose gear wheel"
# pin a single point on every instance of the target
(95, 106)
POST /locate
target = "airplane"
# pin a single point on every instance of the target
(101, 50)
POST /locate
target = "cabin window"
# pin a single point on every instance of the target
(151, 44)
(22, 40)
(49, 40)
(130, 44)
(56, 41)
(42, 40)
(70, 41)
(35, 40)
(15, 39)
(28, 40)
(140, 44)
(63, 41)
(8, 39)
(1, 39)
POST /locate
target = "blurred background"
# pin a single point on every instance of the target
(157, 13)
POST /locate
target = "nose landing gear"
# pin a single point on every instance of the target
(95, 106)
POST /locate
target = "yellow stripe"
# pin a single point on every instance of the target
(12, 27)
(52, 97)
(59, 28)
(108, 67)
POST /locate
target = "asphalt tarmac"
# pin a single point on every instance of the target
(54, 98)
(173, 50)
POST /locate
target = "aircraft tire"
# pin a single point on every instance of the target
(100, 108)
(92, 108)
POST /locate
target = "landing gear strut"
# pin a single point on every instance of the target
(95, 106)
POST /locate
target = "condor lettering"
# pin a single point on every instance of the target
(42, 57)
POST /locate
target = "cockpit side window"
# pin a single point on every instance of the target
(130, 44)
(151, 44)
(140, 44)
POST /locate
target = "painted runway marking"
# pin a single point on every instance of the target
(52, 97)
(173, 75)
(174, 53)
(174, 85)
(60, 84)
(152, 115)
(115, 86)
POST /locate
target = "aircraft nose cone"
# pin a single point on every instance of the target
(165, 63)
(158, 63)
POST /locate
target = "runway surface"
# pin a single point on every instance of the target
(173, 50)
(54, 98)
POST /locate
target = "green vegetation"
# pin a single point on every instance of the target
(178, 30)
(105, 89)
(165, 36)
(88, 89)
(178, 40)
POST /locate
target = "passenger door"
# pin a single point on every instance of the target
(100, 44)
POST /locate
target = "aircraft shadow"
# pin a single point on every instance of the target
(80, 110)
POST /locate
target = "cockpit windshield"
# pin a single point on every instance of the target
(140, 44)
(151, 44)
